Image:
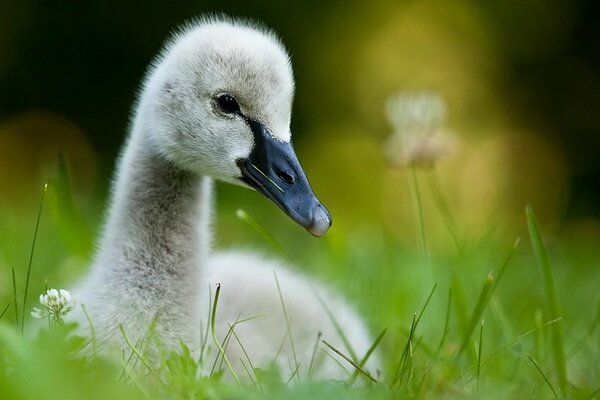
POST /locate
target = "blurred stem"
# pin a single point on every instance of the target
(35, 233)
(14, 282)
(442, 205)
(417, 203)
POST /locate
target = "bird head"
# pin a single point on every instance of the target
(218, 103)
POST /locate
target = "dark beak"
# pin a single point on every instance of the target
(274, 170)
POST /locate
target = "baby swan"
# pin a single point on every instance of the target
(215, 104)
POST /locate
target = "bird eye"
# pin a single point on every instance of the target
(228, 104)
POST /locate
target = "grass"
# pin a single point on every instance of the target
(553, 302)
(540, 304)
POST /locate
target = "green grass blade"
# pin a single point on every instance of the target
(406, 354)
(517, 340)
(480, 348)
(136, 383)
(287, 321)
(244, 216)
(213, 318)
(446, 326)
(314, 354)
(35, 233)
(135, 350)
(252, 367)
(543, 261)
(427, 301)
(537, 366)
(482, 301)
(489, 286)
(442, 205)
(351, 362)
(14, 284)
(294, 374)
(92, 330)
(373, 346)
(370, 351)
(4, 311)
(415, 193)
(336, 325)
(538, 339)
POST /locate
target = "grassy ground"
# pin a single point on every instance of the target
(478, 318)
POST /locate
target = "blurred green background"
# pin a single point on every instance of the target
(521, 81)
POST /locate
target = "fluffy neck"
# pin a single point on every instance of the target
(157, 234)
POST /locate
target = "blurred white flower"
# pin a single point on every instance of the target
(55, 303)
(418, 138)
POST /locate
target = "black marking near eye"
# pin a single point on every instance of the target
(228, 104)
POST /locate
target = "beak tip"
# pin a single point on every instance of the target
(321, 221)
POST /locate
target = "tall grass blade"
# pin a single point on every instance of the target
(489, 286)
(92, 330)
(408, 348)
(314, 354)
(131, 376)
(247, 370)
(252, 368)
(37, 225)
(336, 325)
(369, 352)
(587, 336)
(442, 205)
(227, 340)
(446, 326)
(204, 339)
(543, 261)
(539, 334)
(4, 311)
(427, 301)
(417, 202)
(518, 339)
(244, 216)
(135, 350)
(337, 361)
(14, 284)
(294, 374)
(505, 323)
(406, 354)
(125, 364)
(287, 321)
(480, 348)
(351, 362)
(536, 365)
(213, 331)
(480, 307)
(69, 220)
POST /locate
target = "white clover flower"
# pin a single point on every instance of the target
(55, 303)
(418, 138)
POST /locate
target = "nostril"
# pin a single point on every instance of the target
(285, 177)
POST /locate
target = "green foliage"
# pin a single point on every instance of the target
(553, 303)
(44, 367)
(428, 306)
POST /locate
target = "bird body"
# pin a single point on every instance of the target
(215, 105)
